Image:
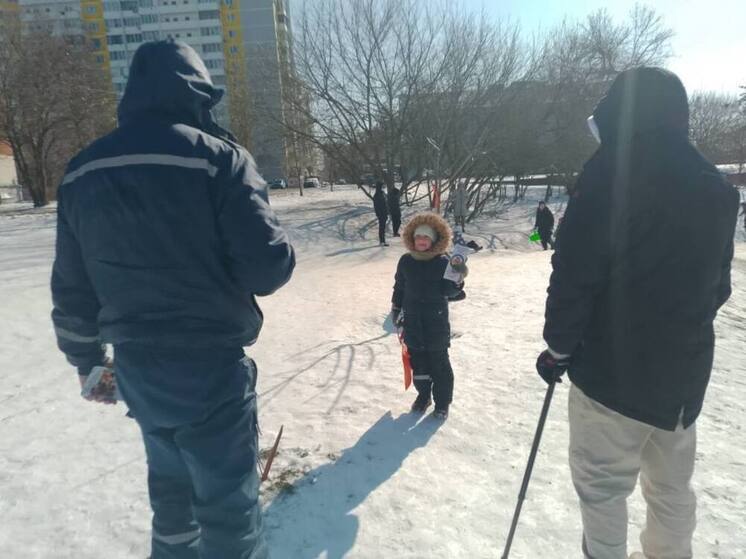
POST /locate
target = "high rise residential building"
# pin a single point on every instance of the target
(246, 46)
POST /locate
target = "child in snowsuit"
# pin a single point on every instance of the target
(421, 296)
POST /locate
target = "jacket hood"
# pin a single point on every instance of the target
(441, 227)
(642, 101)
(169, 77)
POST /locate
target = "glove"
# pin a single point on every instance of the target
(105, 389)
(551, 366)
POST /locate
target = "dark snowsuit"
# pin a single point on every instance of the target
(164, 237)
(642, 260)
(380, 205)
(545, 225)
(394, 207)
(421, 292)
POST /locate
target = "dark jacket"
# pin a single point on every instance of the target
(379, 203)
(544, 220)
(164, 232)
(421, 291)
(393, 200)
(642, 259)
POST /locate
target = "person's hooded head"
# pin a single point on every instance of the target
(168, 78)
(642, 102)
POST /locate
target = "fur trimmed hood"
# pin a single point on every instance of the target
(443, 230)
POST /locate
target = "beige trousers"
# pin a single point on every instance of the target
(607, 452)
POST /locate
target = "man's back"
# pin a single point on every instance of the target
(643, 262)
(169, 224)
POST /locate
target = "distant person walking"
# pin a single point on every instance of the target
(394, 203)
(544, 224)
(380, 205)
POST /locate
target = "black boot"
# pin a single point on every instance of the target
(421, 403)
(441, 413)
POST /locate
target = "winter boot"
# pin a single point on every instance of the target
(441, 413)
(421, 404)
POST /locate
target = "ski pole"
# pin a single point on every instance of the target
(529, 466)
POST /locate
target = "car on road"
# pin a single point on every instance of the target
(278, 183)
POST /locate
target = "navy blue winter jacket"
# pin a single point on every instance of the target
(164, 234)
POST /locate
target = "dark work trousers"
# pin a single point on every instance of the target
(202, 474)
(432, 372)
(382, 229)
(546, 238)
(395, 223)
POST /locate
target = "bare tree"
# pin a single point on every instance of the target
(715, 120)
(580, 61)
(376, 78)
(54, 99)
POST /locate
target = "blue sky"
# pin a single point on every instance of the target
(709, 46)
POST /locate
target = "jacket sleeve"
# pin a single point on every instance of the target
(397, 298)
(258, 252)
(75, 304)
(580, 267)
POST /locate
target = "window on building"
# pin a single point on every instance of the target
(132, 21)
(92, 27)
(209, 31)
(134, 38)
(218, 80)
(146, 3)
(187, 18)
(212, 47)
(209, 14)
(228, 2)
(113, 23)
(212, 64)
(234, 50)
(118, 55)
(151, 35)
(99, 58)
(231, 33)
(206, 1)
(89, 9)
(96, 43)
(176, 19)
(128, 5)
(111, 6)
(189, 34)
(149, 18)
(115, 39)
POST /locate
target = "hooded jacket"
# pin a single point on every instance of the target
(642, 260)
(164, 233)
(420, 289)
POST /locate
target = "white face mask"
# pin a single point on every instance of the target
(593, 127)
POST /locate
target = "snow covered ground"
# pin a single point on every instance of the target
(356, 476)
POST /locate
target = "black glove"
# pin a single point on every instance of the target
(551, 368)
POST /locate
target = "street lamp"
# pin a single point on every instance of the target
(437, 172)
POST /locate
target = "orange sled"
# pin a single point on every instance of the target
(406, 361)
